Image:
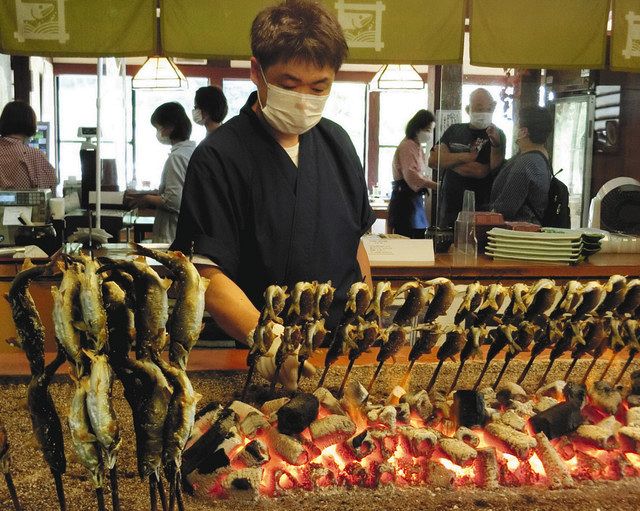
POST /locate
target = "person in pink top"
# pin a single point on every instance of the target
(22, 167)
(407, 214)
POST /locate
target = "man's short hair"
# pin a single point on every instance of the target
(172, 114)
(538, 122)
(298, 30)
(211, 100)
(17, 118)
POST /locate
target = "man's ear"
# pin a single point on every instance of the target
(254, 71)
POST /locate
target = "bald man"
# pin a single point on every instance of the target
(468, 155)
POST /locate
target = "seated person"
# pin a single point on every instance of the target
(22, 167)
(521, 188)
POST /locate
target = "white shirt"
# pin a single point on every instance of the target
(294, 153)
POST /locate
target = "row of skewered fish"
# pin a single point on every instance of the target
(101, 310)
(585, 319)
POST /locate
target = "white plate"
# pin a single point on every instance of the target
(571, 251)
(542, 236)
(532, 257)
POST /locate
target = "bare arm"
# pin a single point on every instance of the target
(365, 266)
(229, 305)
(473, 169)
(440, 156)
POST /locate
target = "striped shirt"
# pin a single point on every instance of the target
(23, 167)
(522, 183)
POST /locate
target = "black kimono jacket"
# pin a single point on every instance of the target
(265, 221)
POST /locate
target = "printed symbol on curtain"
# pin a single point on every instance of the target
(362, 23)
(633, 36)
(42, 19)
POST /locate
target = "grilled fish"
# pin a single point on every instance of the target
(518, 305)
(382, 299)
(496, 296)
(453, 344)
(416, 298)
(592, 295)
(615, 289)
(428, 336)
(541, 298)
(572, 297)
(444, 291)
(396, 337)
(323, 299)
(275, 299)
(473, 299)
(66, 314)
(631, 301)
(91, 305)
(358, 299)
(302, 302)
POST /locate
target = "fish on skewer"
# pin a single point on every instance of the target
(291, 341)
(571, 299)
(368, 333)
(428, 336)
(345, 339)
(618, 339)
(313, 335)
(416, 298)
(453, 343)
(518, 306)
(395, 337)
(358, 300)
(501, 337)
(632, 327)
(541, 300)
(382, 299)
(615, 291)
(301, 305)
(444, 292)
(631, 301)
(571, 337)
(487, 313)
(323, 300)
(275, 300)
(598, 338)
(5, 468)
(527, 332)
(592, 295)
(67, 315)
(585, 341)
(476, 336)
(549, 335)
(94, 316)
(30, 338)
(185, 325)
(473, 299)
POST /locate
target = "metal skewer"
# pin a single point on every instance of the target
(482, 373)
(12, 492)
(435, 375)
(625, 367)
(571, 366)
(614, 355)
(57, 478)
(346, 377)
(501, 373)
(115, 498)
(375, 375)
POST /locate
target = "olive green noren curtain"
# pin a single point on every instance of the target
(78, 28)
(377, 31)
(539, 33)
(625, 40)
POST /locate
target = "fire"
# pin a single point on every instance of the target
(459, 471)
(537, 465)
(513, 463)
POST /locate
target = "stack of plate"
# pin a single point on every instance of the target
(553, 247)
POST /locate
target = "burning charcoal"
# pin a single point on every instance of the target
(439, 476)
(253, 424)
(373, 411)
(387, 417)
(489, 394)
(544, 403)
(321, 476)
(386, 442)
(296, 415)
(575, 392)
(511, 392)
(328, 401)
(558, 420)
(403, 412)
(395, 395)
(635, 382)
(361, 445)
(486, 468)
(420, 441)
(206, 417)
(468, 408)
(605, 397)
(355, 394)
(602, 434)
(420, 404)
(288, 448)
(553, 389)
(457, 451)
(633, 417)
(468, 437)
(332, 429)
(630, 436)
(519, 443)
(243, 483)
(274, 405)
(386, 474)
(523, 409)
(243, 409)
(512, 419)
(253, 454)
(557, 470)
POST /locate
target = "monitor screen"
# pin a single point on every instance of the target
(42, 138)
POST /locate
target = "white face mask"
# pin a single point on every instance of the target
(424, 137)
(291, 112)
(480, 120)
(196, 115)
(162, 138)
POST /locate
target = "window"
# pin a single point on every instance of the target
(397, 107)
(236, 92)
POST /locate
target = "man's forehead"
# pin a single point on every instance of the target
(301, 70)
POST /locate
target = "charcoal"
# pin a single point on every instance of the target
(295, 416)
(633, 400)
(605, 397)
(575, 392)
(635, 382)
(469, 409)
(510, 392)
(559, 420)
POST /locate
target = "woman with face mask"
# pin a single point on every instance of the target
(278, 194)
(407, 215)
(173, 128)
(209, 107)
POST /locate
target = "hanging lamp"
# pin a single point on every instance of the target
(159, 73)
(397, 76)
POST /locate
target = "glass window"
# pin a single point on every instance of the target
(236, 91)
(396, 109)
(347, 106)
(150, 156)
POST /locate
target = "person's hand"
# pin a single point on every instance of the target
(288, 375)
(131, 200)
(494, 135)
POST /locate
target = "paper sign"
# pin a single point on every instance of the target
(11, 214)
(398, 252)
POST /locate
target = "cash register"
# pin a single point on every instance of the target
(31, 205)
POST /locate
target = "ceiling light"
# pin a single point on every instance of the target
(159, 73)
(398, 76)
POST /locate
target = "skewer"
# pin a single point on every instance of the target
(375, 375)
(626, 366)
(324, 375)
(179, 496)
(614, 355)
(455, 378)
(589, 369)
(57, 478)
(484, 370)
(568, 373)
(501, 373)
(275, 378)
(252, 368)
(346, 377)
(115, 498)
(100, 499)
(162, 494)
(405, 378)
(12, 492)
(523, 375)
(153, 493)
(435, 375)
(546, 373)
